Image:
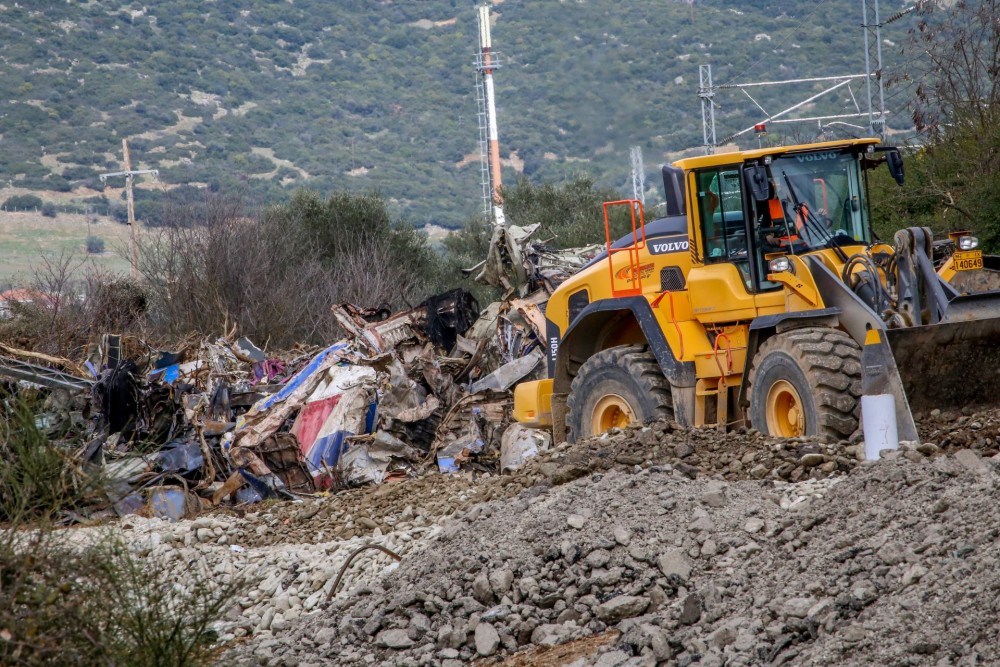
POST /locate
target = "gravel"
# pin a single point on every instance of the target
(649, 546)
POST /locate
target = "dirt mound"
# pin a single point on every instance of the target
(698, 453)
(979, 430)
(683, 560)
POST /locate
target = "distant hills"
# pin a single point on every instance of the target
(363, 94)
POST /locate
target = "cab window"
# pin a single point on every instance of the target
(723, 219)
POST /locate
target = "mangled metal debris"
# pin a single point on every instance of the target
(224, 420)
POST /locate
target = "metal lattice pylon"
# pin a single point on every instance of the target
(873, 77)
(873, 67)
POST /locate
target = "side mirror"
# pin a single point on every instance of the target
(757, 182)
(895, 163)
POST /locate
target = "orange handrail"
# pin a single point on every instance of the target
(729, 353)
(634, 274)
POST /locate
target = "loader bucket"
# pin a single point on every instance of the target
(956, 362)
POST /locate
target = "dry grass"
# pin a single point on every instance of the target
(554, 656)
(26, 237)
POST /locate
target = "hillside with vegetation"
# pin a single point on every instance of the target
(274, 95)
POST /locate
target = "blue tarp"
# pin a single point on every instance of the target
(296, 381)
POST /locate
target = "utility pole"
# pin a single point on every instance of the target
(129, 175)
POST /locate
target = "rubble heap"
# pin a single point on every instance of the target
(217, 421)
(644, 566)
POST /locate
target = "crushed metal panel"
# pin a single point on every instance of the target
(368, 459)
(310, 420)
(268, 414)
(509, 374)
(353, 415)
(283, 456)
(520, 443)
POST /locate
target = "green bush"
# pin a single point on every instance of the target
(49, 210)
(101, 604)
(83, 603)
(571, 214)
(22, 202)
(37, 479)
(95, 245)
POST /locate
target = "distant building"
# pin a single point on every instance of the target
(19, 295)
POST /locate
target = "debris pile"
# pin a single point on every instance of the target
(208, 421)
(186, 429)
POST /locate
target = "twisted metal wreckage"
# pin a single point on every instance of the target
(220, 421)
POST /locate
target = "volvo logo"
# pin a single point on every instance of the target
(816, 157)
(667, 245)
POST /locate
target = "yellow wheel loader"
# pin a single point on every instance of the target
(764, 299)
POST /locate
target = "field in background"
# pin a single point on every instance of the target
(25, 238)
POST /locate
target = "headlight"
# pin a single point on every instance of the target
(779, 265)
(968, 243)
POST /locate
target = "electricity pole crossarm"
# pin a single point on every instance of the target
(136, 172)
(130, 175)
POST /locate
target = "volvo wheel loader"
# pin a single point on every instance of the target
(764, 299)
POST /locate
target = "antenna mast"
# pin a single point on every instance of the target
(489, 145)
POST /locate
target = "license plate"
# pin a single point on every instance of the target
(968, 261)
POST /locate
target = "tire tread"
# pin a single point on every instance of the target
(639, 362)
(831, 362)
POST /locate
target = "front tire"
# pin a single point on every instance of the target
(807, 382)
(614, 388)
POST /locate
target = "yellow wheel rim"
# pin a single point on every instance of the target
(612, 411)
(785, 417)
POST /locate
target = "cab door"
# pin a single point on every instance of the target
(720, 290)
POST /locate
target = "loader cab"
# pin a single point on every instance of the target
(795, 202)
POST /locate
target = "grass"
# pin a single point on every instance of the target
(26, 237)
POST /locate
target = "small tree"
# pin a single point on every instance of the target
(95, 245)
(572, 214)
(954, 58)
(22, 202)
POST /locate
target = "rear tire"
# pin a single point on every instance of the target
(615, 387)
(807, 382)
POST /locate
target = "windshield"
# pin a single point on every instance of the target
(821, 197)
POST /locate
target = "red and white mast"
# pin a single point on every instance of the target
(486, 67)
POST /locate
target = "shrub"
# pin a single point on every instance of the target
(37, 479)
(88, 602)
(114, 303)
(276, 274)
(49, 209)
(144, 617)
(95, 245)
(22, 202)
(570, 214)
